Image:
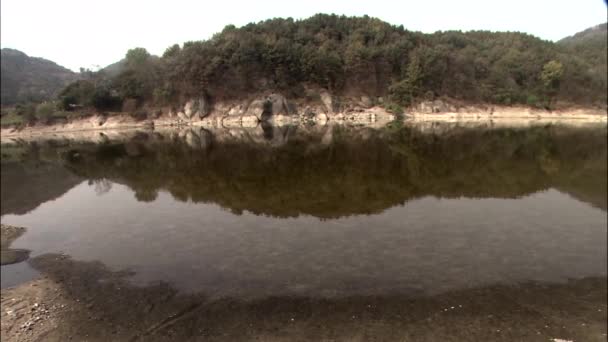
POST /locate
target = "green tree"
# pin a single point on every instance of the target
(137, 57)
(172, 51)
(44, 112)
(551, 77)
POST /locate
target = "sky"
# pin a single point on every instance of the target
(90, 34)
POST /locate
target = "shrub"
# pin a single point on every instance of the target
(394, 108)
(44, 112)
(129, 105)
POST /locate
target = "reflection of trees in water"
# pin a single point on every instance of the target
(361, 171)
(102, 185)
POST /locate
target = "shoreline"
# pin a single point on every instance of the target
(375, 116)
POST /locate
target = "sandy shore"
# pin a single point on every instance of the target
(78, 301)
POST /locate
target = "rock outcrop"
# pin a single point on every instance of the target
(329, 101)
(197, 107)
(257, 108)
(437, 106)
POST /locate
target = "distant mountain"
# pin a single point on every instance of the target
(591, 43)
(595, 34)
(27, 78)
(114, 69)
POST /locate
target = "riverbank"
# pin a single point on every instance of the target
(226, 116)
(76, 300)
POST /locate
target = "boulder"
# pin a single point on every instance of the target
(249, 121)
(327, 100)
(436, 106)
(321, 118)
(366, 102)
(189, 109)
(257, 108)
(182, 115)
(204, 107)
(197, 107)
(236, 111)
(278, 104)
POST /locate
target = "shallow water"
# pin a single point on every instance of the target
(317, 212)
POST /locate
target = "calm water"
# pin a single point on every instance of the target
(317, 212)
(320, 211)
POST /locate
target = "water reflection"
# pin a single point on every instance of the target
(321, 211)
(338, 171)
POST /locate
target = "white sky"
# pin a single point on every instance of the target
(79, 33)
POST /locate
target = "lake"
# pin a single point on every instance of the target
(344, 232)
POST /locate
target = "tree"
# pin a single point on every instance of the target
(44, 112)
(137, 57)
(172, 51)
(551, 77)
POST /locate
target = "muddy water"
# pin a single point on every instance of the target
(327, 214)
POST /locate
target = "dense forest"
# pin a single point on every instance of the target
(354, 56)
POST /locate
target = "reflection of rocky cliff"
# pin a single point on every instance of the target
(30, 181)
(336, 171)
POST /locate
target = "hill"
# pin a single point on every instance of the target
(30, 79)
(351, 57)
(591, 45)
(341, 59)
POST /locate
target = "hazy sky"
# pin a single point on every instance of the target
(77, 33)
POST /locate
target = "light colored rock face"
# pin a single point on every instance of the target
(278, 104)
(436, 106)
(366, 101)
(249, 121)
(231, 121)
(182, 115)
(321, 118)
(197, 107)
(327, 100)
(236, 111)
(97, 120)
(256, 108)
(204, 107)
(189, 109)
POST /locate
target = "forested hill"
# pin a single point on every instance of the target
(591, 44)
(31, 79)
(357, 56)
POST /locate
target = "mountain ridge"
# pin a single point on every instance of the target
(31, 79)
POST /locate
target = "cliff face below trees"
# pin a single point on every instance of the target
(275, 110)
